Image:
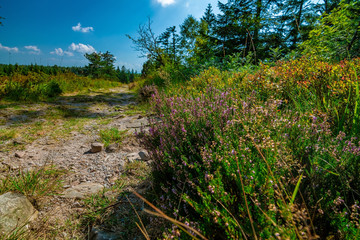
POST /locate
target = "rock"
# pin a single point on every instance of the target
(133, 157)
(19, 154)
(97, 234)
(137, 156)
(127, 149)
(82, 190)
(50, 142)
(112, 148)
(15, 211)
(97, 147)
(121, 166)
(18, 141)
(144, 156)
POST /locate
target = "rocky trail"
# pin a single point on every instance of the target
(66, 134)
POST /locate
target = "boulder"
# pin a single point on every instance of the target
(15, 211)
(82, 190)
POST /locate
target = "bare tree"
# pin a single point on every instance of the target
(147, 43)
(1, 18)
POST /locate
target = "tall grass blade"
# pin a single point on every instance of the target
(296, 189)
(159, 213)
(356, 113)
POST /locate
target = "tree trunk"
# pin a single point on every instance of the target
(354, 38)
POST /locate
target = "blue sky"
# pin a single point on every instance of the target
(49, 32)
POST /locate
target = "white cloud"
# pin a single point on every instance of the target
(82, 48)
(78, 28)
(9, 49)
(33, 49)
(165, 3)
(60, 52)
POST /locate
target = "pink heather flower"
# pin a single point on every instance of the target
(211, 189)
(183, 129)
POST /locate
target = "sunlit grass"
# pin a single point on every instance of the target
(112, 135)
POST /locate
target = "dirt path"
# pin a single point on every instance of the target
(60, 133)
(70, 150)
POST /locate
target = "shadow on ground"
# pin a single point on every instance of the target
(120, 220)
(96, 105)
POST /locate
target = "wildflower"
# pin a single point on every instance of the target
(211, 189)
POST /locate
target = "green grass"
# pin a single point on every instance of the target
(142, 109)
(137, 169)
(98, 206)
(104, 121)
(112, 135)
(7, 134)
(34, 184)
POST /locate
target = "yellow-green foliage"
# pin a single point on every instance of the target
(41, 86)
(306, 82)
(210, 77)
(304, 72)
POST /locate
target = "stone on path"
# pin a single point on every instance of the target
(15, 211)
(112, 148)
(19, 154)
(144, 156)
(137, 156)
(82, 190)
(96, 147)
(133, 157)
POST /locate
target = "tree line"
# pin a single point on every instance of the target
(253, 31)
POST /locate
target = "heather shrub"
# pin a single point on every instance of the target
(146, 92)
(304, 84)
(234, 166)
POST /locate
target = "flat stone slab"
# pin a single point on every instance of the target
(82, 190)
